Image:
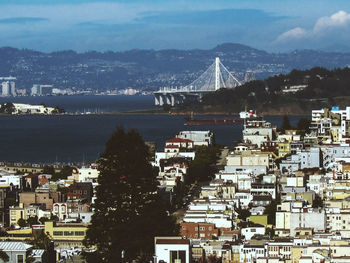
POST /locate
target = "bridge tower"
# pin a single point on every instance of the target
(214, 78)
(217, 73)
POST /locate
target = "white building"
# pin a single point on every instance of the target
(311, 218)
(257, 132)
(167, 155)
(249, 232)
(5, 88)
(199, 138)
(84, 217)
(85, 174)
(172, 249)
(16, 251)
(60, 210)
(32, 109)
(15, 180)
(41, 90)
(302, 159)
(249, 253)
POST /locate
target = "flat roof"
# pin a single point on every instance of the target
(170, 241)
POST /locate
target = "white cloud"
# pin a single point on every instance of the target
(295, 33)
(324, 24)
(339, 19)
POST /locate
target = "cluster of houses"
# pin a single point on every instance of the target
(281, 197)
(173, 162)
(278, 196)
(33, 203)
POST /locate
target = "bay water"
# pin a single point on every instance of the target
(82, 138)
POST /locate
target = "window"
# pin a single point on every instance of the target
(178, 256)
(68, 233)
(202, 228)
(20, 259)
(79, 233)
(58, 233)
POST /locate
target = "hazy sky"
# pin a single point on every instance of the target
(279, 25)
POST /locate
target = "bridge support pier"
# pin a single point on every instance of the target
(156, 100)
(160, 99)
(174, 98)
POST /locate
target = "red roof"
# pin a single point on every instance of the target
(179, 140)
(172, 146)
(31, 176)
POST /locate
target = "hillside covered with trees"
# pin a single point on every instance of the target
(295, 93)
(151, 69)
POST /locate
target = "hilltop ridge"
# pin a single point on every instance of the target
(152, 69)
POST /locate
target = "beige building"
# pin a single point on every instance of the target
(287, 221)
(337, 203)
(250, 158)
(339, 222)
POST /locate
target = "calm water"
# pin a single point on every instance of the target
(77, 138)
(74, 104)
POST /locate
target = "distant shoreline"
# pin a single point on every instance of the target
(158, 112)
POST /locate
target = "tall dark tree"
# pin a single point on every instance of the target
(304, 124)
(286, 124)
(128, 211)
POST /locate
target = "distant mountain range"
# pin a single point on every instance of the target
(151, 69)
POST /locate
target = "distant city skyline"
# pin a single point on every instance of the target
(274, 26)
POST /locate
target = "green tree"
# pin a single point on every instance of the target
(317, 202)
(3, 256)
(40, 240)
(21, 222)
(48, 169)
(63, 174)
(126, 203)
(270, 211)
(202, 168)
(43, 219)
(7, 108)
(243, 213)
(285, 124)
(304, 125)
(10, 201)
(33, 220)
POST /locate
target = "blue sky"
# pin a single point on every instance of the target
(275, 26)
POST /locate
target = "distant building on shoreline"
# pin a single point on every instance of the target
(8, 86)
(41, 90)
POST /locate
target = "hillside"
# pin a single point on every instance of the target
(151, 69)
(295, 93)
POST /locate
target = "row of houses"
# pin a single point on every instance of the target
(282, 196)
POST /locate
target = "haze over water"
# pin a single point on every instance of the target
(47, 139)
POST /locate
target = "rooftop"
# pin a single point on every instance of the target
(18, 246)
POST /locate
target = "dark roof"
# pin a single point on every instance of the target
(81, 185)
(263, 184)
(31, 176)
(262, 198)
(163, 241)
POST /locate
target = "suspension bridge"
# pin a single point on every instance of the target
(215, 77)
